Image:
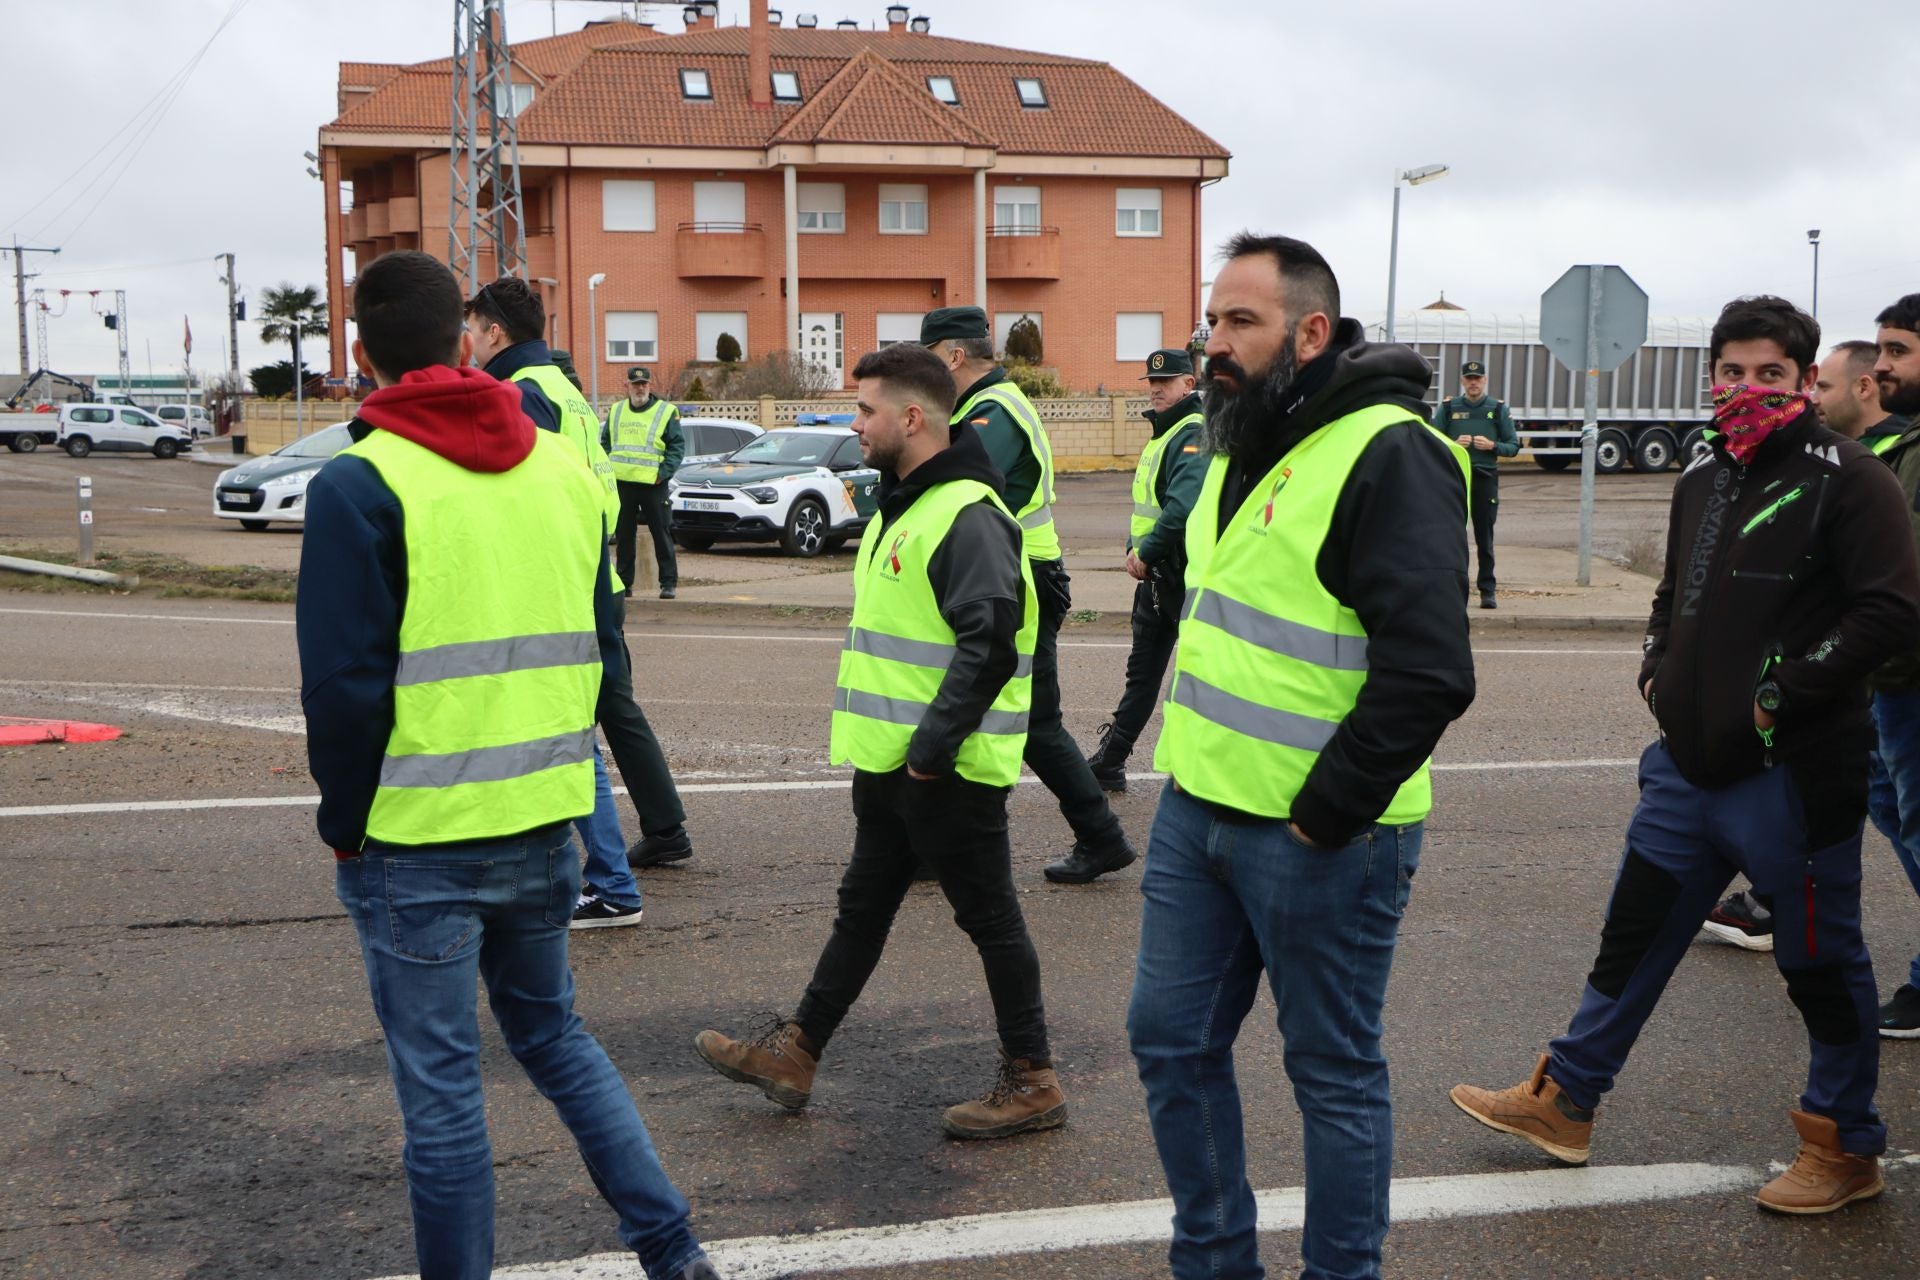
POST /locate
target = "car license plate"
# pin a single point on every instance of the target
(694, 504)
(233, 499)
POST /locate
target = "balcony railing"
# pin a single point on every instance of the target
(720, 250)
(1016, 251)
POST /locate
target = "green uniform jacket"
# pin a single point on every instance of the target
(1485, 417)
(1006, 443)
(673, 444)
(1183, 469)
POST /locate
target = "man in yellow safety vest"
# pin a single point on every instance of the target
(645, 442)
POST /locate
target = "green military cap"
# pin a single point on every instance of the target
(1168, 362)
(639, 374)
(1473, 369)
(952, 322)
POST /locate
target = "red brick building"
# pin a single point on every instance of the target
(832, 183)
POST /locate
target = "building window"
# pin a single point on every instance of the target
(720, 206)
(896, 326)
(1003, 322)
(903, 210)
(1016, 211)
(711, 326)
(633, 335)
(942, 88)
(626, 205)
(694, 85)
(786, 86)
(1136, 334)
(1137, 211)
(823, 208)
(1031, 93)
(512, 99)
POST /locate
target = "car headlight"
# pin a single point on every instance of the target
(762, 493)
(281, 482)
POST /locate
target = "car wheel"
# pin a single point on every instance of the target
(78, 446)
(254, 526)
(692, 542)
(165, 448)
(805, 534)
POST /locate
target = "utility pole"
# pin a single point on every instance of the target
(483, 202)
(19, 252)
(233, 316)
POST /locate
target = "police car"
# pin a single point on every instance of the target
(805, 487)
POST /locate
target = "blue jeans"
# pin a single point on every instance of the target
(607, 871)
(1893, 787)
(1794, 830)
(1225, 901)
(428, 920)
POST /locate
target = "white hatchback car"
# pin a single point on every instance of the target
(274, 488)
(806, 488)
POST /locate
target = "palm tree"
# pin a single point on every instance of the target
(288, 314)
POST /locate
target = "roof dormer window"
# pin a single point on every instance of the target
(1031, 93)
(942, 88)
(694, 85)
(786, 86)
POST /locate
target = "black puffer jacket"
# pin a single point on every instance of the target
(1799, 568)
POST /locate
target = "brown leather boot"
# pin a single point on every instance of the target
(1536, 1111)
(773, 1060)
(1823, 1177)
(1023, 1098)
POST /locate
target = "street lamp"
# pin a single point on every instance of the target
(1413, 178)
(594, 282)
(1813, 238)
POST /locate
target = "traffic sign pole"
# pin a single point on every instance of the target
(85, 486)
(1590, 424)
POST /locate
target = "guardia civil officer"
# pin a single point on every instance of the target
(454, 621)
(1483, 427)
(646, 444)
(505, 320)
(931, 710)
(1010, 428)
(1166, 480)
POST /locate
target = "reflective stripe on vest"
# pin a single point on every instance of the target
(898, 648)
(1038, 536)
(639, 438)
(1269, 662)
(1146, 481)
(499, 673)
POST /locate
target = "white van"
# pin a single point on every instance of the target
(117, 428)
(191, 417)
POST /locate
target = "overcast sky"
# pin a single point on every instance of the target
(1694, 142)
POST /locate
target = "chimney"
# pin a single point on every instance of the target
(847, 24)
(806, 21)
(693, 18)
(896, 18)
(773, 17)
(921, 26)
(759, 58)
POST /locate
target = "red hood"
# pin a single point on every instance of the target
(461, 414)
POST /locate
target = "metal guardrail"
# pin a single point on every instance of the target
(720, 228)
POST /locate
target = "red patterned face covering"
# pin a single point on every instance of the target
(1745, 416)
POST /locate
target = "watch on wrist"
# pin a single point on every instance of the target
(1768, 697)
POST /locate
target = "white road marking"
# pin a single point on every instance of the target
(702, 788)
(162, 688)
(156, 617)
(992, 1235)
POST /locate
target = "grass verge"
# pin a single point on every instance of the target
(167, 577)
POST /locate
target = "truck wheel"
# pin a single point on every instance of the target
(1552, 461)
(1653, 452)
(1694, 445)
(165, 448)
(25, 442)
(1610, 452)
(78, 446)
(806, 532)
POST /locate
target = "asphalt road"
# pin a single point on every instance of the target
(195, 1087)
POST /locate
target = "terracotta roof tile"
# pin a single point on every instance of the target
(871, 100)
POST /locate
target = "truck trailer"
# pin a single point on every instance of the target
(1653, 409)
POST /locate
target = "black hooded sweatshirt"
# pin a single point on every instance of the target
(1798, 568)
(1396, 554)
(975, 576)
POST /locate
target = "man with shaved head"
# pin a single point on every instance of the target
(1847, 397)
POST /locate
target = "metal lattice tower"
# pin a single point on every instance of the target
(484, 210)
(39, 304)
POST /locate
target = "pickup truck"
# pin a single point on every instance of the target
(27, 430)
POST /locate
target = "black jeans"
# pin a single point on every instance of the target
(1486, 505)
(1154, 631)
(1052, 753)
(643, 766)
(960, 827)
(644, 503)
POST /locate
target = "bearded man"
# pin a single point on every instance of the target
(1322, 653)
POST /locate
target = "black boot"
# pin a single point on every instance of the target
(1487, 601)
(1086, 861)
(659, 849)
(1109, 759)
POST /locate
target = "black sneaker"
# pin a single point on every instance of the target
(1087, 863)
(1487, 601)
(668, 593)
(595, 912)
(1900, 1016)
(658, 850)
(1741, 920)
(1109, 760)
